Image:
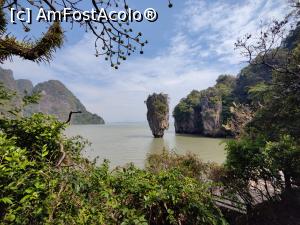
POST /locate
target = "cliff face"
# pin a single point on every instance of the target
(191, 124)
(24, 86)
(200, 113)
(8, 81)
(55, 100)
(158, 114)
(211, 115)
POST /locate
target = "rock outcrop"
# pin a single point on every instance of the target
(55, 100)
(24, 86)
(200, 113)
(158, 114)
(211, 115)
(7, 80)
(207, 112)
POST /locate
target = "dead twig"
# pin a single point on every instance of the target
(70, 116)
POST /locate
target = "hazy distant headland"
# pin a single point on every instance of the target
(56, 99)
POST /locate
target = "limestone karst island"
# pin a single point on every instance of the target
(118, 112)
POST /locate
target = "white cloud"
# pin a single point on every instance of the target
(218, 24)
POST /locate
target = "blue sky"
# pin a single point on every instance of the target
(189, 47)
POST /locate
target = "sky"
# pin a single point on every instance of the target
(190, 45)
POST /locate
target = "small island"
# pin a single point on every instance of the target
(158, 113)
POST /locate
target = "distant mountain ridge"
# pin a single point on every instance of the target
(56, 99)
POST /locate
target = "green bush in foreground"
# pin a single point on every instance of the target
(190, 165)
(35, 189)
(269, 169)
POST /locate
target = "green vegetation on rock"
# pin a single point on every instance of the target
(204, 112)
(158, 113)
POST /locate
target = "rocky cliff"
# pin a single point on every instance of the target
(24, 86)
(205, 112)
(158, 114)
(55, 100)
(7, 80)
(200, 113)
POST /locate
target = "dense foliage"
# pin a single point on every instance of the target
(187, 105)
(225, 86)
(189, 165)
(259, 170)
(36, 189)
(248, 78)
(265, 160)
(281, 112)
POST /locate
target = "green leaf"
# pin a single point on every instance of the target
(6, 200)
(45, 152)
(25, 198)
(10, 217)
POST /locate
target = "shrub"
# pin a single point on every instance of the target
(190, 165)
(35, 133)
(24, 185)
(284, 156)
(254, 167)
(35, 190)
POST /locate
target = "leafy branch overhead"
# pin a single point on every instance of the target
(115, 40)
